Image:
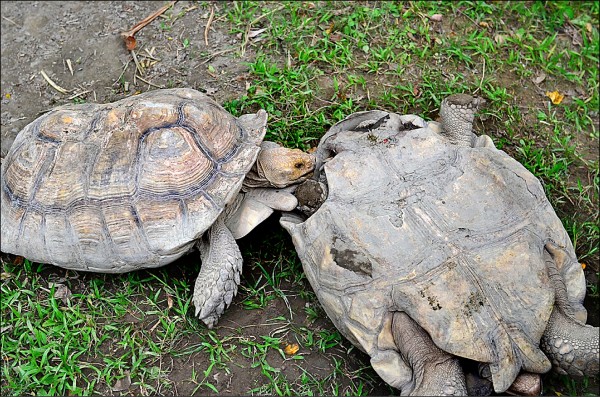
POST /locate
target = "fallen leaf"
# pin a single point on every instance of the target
(541, 77)
(484, 24)
(436, 17)
(122, 384)
(254, 33)
(169, 301)
(555, 97)
(329, 29)
(18, 260)
(588, 27)
(7, 95)
(5, 276)
(61, 292)
(292, 349)
(583, 265)
(500, 38)
(130, 43)
(335, 37)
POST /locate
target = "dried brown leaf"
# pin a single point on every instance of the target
(500, 38)
(62, 292)
(254, 33)
(335, 37)
(541, 77)
(5, 276)
(436, 17)
(122, 384)
(130, 43)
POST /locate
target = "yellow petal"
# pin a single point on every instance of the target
(555, 97)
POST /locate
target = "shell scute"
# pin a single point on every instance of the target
(21, 174)
(170, 161)
(52, 190)
(220, 130)
(112, 166)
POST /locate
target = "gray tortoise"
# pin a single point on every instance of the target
(430, 245)
(137, 183)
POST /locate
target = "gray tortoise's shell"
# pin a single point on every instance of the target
(453, 236)
(125, 185)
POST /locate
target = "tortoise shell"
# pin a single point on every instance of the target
(126, 185)
(453, 236)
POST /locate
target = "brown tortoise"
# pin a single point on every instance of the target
(425, 243)
(137, 183)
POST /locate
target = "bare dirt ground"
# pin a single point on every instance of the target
(42, 36)
(47, 36)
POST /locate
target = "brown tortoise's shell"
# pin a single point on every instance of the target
(125, 185)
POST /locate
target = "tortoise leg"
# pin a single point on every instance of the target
(457, 113)
(525, 384)
(571, 345)
(219, 276)
(434, 372)
(257, 205)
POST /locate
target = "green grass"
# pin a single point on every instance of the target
(317, 64)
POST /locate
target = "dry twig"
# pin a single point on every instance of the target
(150, 83)
(53, 84)
(11, 21)
(128, 35)
(211, 56)
(138, 65)
(70, 66)
(78, 94)
(206, 29)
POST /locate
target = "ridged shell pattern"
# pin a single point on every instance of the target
(125, 185)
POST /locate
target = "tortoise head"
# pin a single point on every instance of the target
(279, 167)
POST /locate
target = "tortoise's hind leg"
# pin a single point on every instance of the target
(219, 277)
(434, 372)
